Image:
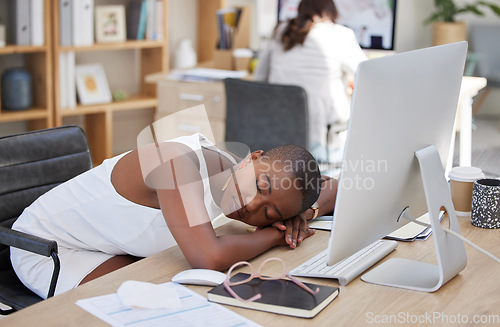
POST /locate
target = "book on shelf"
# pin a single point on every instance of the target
(65, 23)
(67, 89)
(19, 28)
(133, 17)
(71, 87)
(83, 22)
(141, 31)
(278, 296)
(145, 20)
(63, 81)
(233, 29)
(37, 22)
(159, 30)
(26, 22)
(151, 15)
(76, 22)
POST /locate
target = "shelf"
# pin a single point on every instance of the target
(29, 114)
(130, 44)
(38, 62)
(135, 102)
(20, 49)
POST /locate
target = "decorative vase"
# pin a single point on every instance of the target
(185, 56)
(447, 32)
(16, 89)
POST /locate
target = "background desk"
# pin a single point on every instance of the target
(475, 291)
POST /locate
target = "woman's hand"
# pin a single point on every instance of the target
(295, 229)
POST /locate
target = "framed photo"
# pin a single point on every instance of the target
(91, 84)
(110, 24)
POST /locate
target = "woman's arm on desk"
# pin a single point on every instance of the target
(296, 229)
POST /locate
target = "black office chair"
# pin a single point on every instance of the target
(484, 43)
(263, 115)
(31, 164)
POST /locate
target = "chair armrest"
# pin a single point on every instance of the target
(27, 242)
(33, 244)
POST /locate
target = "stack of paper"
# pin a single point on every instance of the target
(409, 232)
(205, 74)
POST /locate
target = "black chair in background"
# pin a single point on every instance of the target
(485, 44)
(31, 164)
(263, 115)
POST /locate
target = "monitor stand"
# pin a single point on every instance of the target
(450, 251)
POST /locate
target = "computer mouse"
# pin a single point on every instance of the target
(205, 277)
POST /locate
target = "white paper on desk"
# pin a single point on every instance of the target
(321, 224)
(205, 74)
(195, 311)
(411, 231)
(143, 295)
(408, 232)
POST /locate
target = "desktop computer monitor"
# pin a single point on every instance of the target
(401, 104)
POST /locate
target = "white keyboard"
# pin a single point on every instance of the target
(347, 269)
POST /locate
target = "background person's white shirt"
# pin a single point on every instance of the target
(319, 66)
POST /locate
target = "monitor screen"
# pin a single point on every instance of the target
(373, 21)
(401, 104)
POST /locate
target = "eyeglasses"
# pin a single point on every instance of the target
(284, 274)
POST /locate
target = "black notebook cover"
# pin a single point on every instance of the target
(278, 296)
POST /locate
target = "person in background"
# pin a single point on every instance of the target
(314, 52)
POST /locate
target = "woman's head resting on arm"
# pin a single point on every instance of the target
(271, 186)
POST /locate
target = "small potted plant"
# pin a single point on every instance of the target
(446, 29)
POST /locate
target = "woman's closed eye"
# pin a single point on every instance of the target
(263, 184)
(265, 214)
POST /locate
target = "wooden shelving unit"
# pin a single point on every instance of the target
(38, 61)
(207, 28)
(98, 119)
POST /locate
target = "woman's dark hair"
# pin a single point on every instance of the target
(302, 166)
(298, 28)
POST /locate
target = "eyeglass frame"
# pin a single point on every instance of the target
(228, 283)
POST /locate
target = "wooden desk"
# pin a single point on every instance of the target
(473, 294)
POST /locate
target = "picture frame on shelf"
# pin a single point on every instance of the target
(92, 85)
(110, 24)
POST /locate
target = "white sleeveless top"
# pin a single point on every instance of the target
(86, 213)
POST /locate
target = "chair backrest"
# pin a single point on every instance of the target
(263, 115)
(485, 43)
(34, 162)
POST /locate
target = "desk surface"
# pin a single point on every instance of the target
(471, 295)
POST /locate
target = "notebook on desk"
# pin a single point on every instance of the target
(278, 296)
